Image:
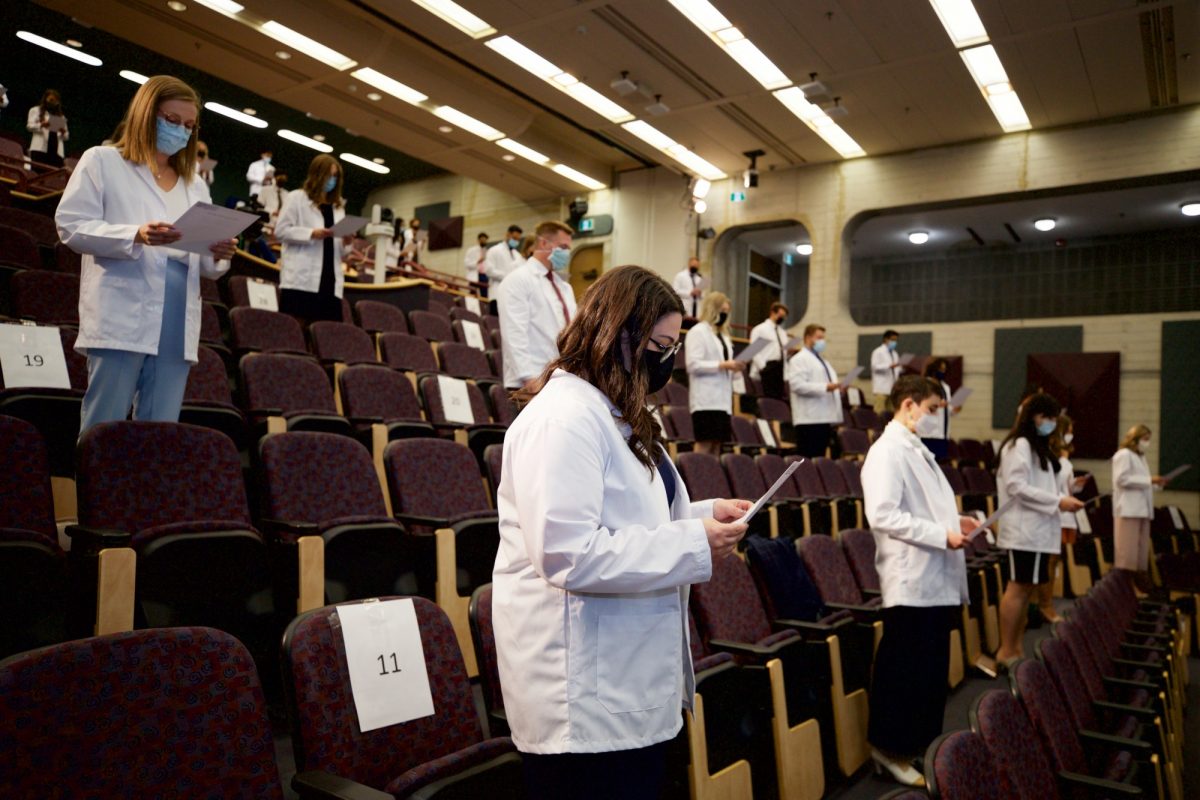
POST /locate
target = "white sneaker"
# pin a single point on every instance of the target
(901, 771)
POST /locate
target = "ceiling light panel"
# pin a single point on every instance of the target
(300, 138)
(523, 151)
(467, 123)
(961, 21)
(389, 85)
(705, 16)
(660, 141)
(564, 81)
(578, 177)
(454, 14)
(988, 73)
(61, 49)
(310, 47)
(227, 7)
(130, 75)
(233, 113)
(359, 161)
(821, 124)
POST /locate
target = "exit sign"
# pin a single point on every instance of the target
(737, 197)
(587, 224)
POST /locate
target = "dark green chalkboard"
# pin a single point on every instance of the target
(1179, 439)
(1012, 348)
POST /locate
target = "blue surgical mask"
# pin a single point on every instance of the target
(892, 344)
(560, 258)
(1047, 427)
(267, 159)
(819, 346)
(171, 138)
(512, 244)
(330, 184)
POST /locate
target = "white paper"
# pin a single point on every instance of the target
(905, 359)
(204, 223)
(766, 432)
(32, 356)
(348, 225)
(751, 350)
(760, 502)
(1176, 517)
(960, 397)
(795, 341)
(855, 396)
(262, 295)
(1175, 473)
(472, 304)
(738, 383)
(456, 404)
(849, 379)
(386, 663)
(57, 122)
(995, 515)
(1085, 524)
(473, 334)
(207, 164)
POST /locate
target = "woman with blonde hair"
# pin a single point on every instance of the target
(1133, 505)
(710, 368)
(310, 273)
(139, 298)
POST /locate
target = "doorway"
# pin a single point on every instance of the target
(587, 264)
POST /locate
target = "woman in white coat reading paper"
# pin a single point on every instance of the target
(923, 578)
(599, 543)
(310, 272)
(139, 298)
(710, 368)
(1133, 505)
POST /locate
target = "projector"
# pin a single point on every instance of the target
(658, 107)
(623, 86)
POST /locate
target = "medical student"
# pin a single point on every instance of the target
(1031, 531)
(474, 260)
(690, 285)
(536, 302)
(885, 366)
(816, 395)
(201, 156)
(1133, 505)
(258, 172)
(599, 543)
(767, 364)
(139, 298)
(710, 368)
(1060, 444)
(923, 579)
(504, 258)
(46, 145)
(936, 433)
(310, 276)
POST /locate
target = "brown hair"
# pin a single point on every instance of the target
(1023, 428)
(1057, 444)
(931, 367)
(777, 306)
(1133, 435)
(812, 328)
(615, 319)
(314, 184)
(552, 226)
(46, 95)
(138, 138)
(916, 387)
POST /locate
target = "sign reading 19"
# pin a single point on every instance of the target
(35, 361)
(383, 665)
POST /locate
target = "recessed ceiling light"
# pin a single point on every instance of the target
(578, 177)
(175, 5)
(377, 160)
(282, 55)
(444, 129)
(961, 21)
(250, 111)
(804, 249)
(224, 6)
(1190, 209)
(1044, 224)
(74, 43)
(523, 151)
(918, 237)
(320, 137)
(508, 157)
(458, 16)
(376, 96)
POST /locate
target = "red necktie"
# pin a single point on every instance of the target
(558, 294)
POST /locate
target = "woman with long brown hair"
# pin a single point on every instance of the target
(310, 272)
(599, 543)
(139, 298)
(1133, 505)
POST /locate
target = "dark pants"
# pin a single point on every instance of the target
(908, 692)
(619, 775)
(811, 440)
(773, 384)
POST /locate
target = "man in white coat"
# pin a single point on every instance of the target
(504, 258)
(257, 172)
(689, 284)
(885, 366)
(474, 262)
(767, 364)
(816, 396)
(536, 303)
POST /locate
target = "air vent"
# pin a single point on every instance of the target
(1158, 51)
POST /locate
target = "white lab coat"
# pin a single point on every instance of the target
(501, 262)
(683, 284)
(1133, 493)
(40, 137)
(590, 586)
(530, 320)
(1066, 479)
(710, 388)
(807, 378)
(122, 283)
(471, 262)
(942, 415)
(911, 506)
(774, 334)
(1033, 523)
(883, 377)
(271, 197)
(301, 258)
(256, 173)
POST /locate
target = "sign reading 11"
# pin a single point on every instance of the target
(383, 665)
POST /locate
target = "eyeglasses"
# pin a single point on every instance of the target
(667, 351)
(175, 119)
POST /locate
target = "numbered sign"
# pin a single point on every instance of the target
(767, 434)
(473, 305)
(456, 404)
(739, 383)
(33, 357)
(262, 295)
(386, 663)
(474, 334)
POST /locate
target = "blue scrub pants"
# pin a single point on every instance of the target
(153, 386)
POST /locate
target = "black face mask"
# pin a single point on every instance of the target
(940, 374)
(53, 108)
(658, 372)
(721, 318)
(693, 270)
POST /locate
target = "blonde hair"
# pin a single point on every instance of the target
(138, 132)
(1057, 443)
(1134, 434)
(710, 309)
(318, 172)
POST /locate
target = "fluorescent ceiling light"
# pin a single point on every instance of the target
(1190, 209)
(299, 138)
(224, 6)
(61, 49)
(564, 81)
(918, 237)
(804, 249)
(755, 62)
(467, 123)
(130, 75)
(793, 99)
(1044, 224)
(310, 47)
(390, 85)
(821, 124)
(523, 151)
(961, 21)
(523, 57)
(707, 18)
(597, 102)
(702, 14)
(233, 113)
(984, 65)
(459, 17)
(359, 161)
(700, 188)
(1009, 112)
(695, 163)
(578, 177)
(649, 134)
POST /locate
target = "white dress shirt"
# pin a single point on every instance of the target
(302, 256)
(590, 586)
(531, 317)
(39, 138)
(883, 377)
(1033, 523)
(807, 375)
(911, 506)
(710, 388)
(471, 262)
(1066, 488)
(942, 415)
(501, 261)
(1133, 493)
(776, 338)
(683, 284)
(256, 173)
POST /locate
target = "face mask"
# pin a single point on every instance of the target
(54, 108)
(781, 321)
(928, 427)
(892, 345)
(330, 184)
(658, 372)
(721, 318)
(1144, 445)
(560, 258)
(171, 138)
(940, 374)
(693, 270)
(1068, 438)
(512, 244)
(819, 346)
(267, 159)
(1046, 428)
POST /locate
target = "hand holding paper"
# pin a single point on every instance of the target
(204, 224)
(751, 350)
(987, 522)
(849, 379)
(960, 397)
(1175, 473)
(758, 504)
(348, 225)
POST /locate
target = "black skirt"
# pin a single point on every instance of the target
(711, 426)
(908, 690)
(322, 304)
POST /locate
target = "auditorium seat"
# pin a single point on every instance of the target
(981, 484)
(706, 480)
(256, 330)
(342, 343)
(375, 394)
(210, 290)
(676, 394)
(210, 324)
(845, 512)
(239, 294)
(461, 313)
(852, 475)
(816, 514)
(207, 400)
(40, 227)
(288, 392)
(431, 326)
(971, 454)
(409, 353)
(77, 370)
(377, 317)
(825, 561)
(446, 748)
(854, 442)
(746, 438)
(958, 766)
(836, 486)
(778, 414)
(859, 547)
(483, 637)
(746, 483)
(18, 250)
(496, 358)
(864, 418)
(957, 484)
(503, 408)
(476, 435)
(50, 298)
(464, 361)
